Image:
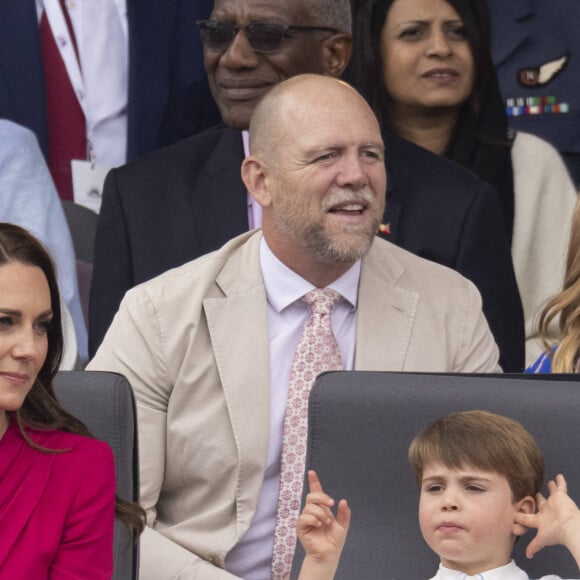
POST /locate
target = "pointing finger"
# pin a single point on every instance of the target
(313, 481)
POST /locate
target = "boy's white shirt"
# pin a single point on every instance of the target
(508, 572)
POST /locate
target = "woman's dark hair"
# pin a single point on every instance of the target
(481, 141)
(17, 245)
(367, 64)
(40, 409)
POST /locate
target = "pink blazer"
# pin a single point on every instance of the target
(56, 509)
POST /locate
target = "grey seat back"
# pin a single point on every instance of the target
(104, 402)
(360, 427)
(82, 223)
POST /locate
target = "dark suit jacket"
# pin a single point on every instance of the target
(188, 199)
(527, 34)
(168, 94)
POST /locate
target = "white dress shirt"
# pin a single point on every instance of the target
(101, 33)
(287, 314)
(508, 572)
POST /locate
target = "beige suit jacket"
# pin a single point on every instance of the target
(193, 342)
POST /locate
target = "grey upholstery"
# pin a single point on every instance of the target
(104, 402)
(360, 426)
(82, 223)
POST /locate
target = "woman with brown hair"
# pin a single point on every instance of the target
(57, 483)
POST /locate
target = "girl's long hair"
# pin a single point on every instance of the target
(566, 304)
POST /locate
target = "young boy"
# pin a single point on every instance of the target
(478, 475)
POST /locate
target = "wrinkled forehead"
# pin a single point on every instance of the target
(295, 12)
(305, 138)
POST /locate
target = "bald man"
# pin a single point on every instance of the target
(183, 201)
(208, 346)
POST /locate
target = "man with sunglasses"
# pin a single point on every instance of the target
(283, 51)
(186, 200)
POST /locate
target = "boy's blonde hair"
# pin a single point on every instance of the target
(483, 440)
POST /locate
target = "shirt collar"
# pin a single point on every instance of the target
(284, 286)
(508, 572)
(246, 142)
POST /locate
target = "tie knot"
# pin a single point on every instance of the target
(321, 300)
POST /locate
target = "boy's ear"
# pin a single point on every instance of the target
(527, 505)
(254, 176)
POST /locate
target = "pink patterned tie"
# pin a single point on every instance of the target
(317, 351)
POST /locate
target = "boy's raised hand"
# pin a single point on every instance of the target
(557, 520)
(320, 532)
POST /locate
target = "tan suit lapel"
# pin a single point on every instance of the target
(386, 312)
(238, 327)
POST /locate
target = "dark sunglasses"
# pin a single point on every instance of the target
(264, 37)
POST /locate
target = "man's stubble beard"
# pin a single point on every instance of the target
(347, 245)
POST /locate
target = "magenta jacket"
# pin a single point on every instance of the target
(56, 509)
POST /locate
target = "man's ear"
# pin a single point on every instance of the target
(254, 176)
(527, 505)
(337, 50)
